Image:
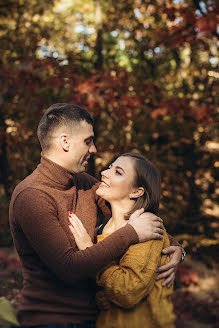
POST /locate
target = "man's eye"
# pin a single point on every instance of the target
(88, 142)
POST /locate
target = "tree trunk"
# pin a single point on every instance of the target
(3, 158)
(99, 35)
(98, 66)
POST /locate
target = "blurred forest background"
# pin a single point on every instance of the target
(147, 70)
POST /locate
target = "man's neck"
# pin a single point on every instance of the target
(56, 159)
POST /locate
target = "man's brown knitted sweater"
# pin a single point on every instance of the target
(56, 287)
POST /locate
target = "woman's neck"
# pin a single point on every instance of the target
(119, 211)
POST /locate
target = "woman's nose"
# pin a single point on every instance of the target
(104, 173)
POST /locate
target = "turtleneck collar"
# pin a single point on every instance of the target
(56, 173)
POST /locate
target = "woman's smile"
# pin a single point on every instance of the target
(104, 184)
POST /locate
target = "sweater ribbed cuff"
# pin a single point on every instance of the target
(129, 231)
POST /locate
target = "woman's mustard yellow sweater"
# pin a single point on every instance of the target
(137, 299)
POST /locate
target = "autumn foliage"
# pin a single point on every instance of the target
(146, 70)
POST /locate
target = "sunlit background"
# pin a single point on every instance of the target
(147, 71)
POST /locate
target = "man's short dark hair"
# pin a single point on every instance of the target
(58, 115)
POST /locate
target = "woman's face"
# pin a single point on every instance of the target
(117, 180)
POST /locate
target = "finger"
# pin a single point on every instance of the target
(157, 219)
(160, 231)
(168, 250)
(77, 221)
(158, 224)
(73, 222)
(80, 227)
(166, 267)
(73, 231)
(140, 211)
(80, 224)
(169, 281)
(165, 274)
(157, 236)
(76, 217)
(72, 214)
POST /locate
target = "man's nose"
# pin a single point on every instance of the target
(92, 149)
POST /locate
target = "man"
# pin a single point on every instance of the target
(57, 287)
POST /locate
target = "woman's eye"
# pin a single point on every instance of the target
(117, 172)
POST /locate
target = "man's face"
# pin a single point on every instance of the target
(81, 147)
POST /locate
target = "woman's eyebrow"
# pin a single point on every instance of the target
(118, 167)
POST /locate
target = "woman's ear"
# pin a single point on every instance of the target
(137, 193)
(64, 142)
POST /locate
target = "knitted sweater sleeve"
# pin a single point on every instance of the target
(173, 241)
(127, 283)
(34, 212)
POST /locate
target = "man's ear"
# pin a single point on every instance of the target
(64, 142)
(138, 192)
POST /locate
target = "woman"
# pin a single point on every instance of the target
(136, 298)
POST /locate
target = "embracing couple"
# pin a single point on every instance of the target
(86, 263)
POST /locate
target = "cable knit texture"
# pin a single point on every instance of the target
(137, 299)
(56, 287)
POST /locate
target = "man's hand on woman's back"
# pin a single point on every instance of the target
(149, 226)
